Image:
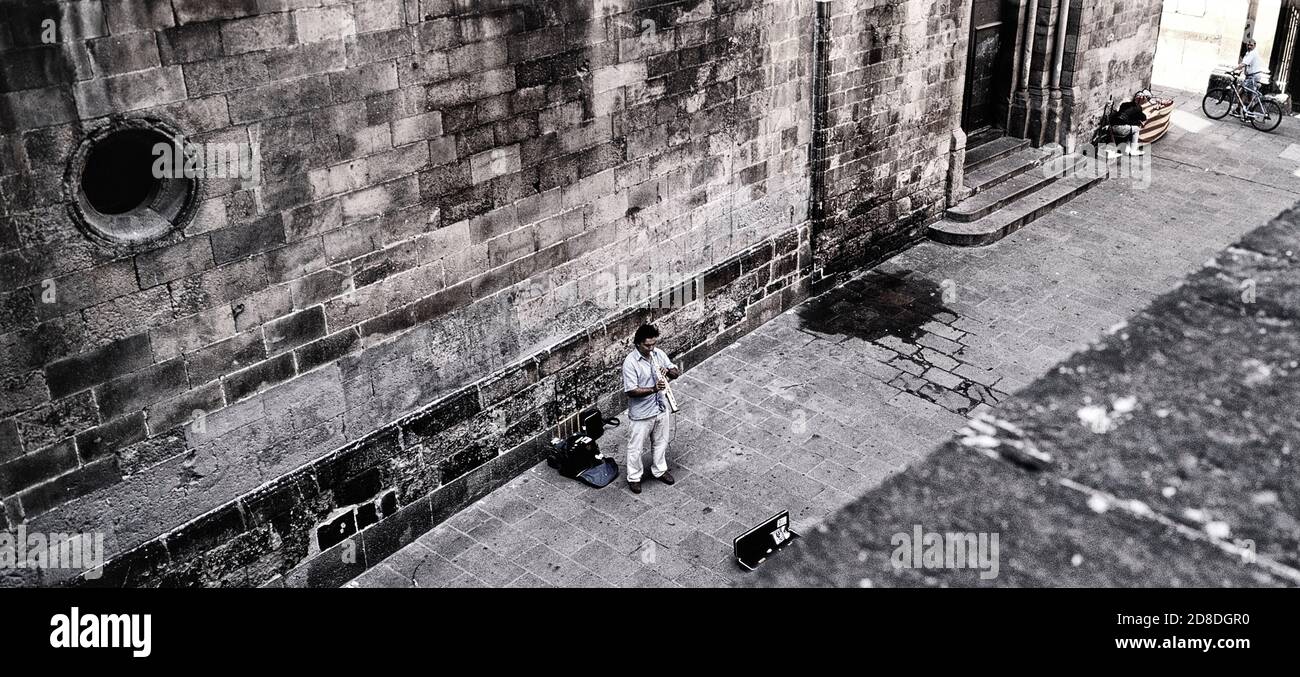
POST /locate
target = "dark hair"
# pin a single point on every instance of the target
(644, 332)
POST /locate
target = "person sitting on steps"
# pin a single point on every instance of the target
(1125, 127)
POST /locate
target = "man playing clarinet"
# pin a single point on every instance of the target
(646, 373)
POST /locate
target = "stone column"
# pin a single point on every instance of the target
(1041, 105)
(1018, 60)
(957, 167)
(1019, 118)
(1056, 107)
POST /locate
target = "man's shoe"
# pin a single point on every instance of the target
(666, 478)
(635, 487)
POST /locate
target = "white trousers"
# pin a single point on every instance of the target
(657, 430)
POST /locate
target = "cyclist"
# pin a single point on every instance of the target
(1252, 66)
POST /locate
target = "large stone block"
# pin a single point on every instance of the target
(490, 164)
(129, 16)
(134, 392)
(123, 54)
(36, 467)
(281, 98)
(243, 240)
(325, 23)
(290, 332)
(225, 357)
(257, 378)
(190, 256)
(69, 375)
(257, 33)
(128, 92)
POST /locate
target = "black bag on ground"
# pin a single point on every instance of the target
(573, 455)
(578, 456)
(593, 423)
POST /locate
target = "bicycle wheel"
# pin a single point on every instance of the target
(1217, 103)
(1272, 117)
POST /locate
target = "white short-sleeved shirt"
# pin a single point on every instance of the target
(640, 372)
(1254, 64)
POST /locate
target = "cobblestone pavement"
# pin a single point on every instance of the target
(828, 400)
(1159, 457)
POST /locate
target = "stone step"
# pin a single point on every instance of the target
(983, 136)
(1013, 217)
(993, 150)
(1002, 169)
(1004, 193)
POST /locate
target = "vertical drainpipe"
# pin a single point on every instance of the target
(817, 151)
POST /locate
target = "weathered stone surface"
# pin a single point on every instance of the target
(445, 191)
(36, 467)
(120, 357)
(193, 255)
(801, 413)
(135, 391)
(1165, 438)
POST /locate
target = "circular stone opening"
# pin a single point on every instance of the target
(127, 183)
(118, 176)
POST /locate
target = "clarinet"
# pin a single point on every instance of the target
(668, 388)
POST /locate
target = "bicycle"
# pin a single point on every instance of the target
(1262, 113)
(1102, 133)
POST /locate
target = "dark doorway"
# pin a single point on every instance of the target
(1286, 49)
(988, 66)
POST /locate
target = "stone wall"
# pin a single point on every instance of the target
(457, 201)
(1106, 49)
(462, 210)
(1113, 54)
(894, 74)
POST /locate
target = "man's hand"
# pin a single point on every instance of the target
(661, 384)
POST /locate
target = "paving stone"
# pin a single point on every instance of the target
(552, 567)
(528, 581)
(554, 532)
(610, 531)
(503, 539)
(447, 541)
(605, 562)
(434, 571)
(647, 578)
(382, 576)
(470, 517)
(508, 506)
(494, 569)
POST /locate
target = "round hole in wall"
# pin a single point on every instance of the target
(118, 176)
(119, 191)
